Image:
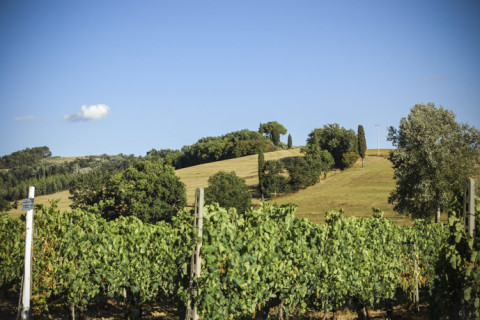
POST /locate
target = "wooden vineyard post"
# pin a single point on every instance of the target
(469, 206)
(27, 204)
(196, 262)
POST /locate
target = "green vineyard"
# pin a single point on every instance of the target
(264, 262)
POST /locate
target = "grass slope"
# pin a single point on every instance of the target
(64, 203)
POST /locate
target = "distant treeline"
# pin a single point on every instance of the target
(232, 145)
(32, 167)
(24, 157)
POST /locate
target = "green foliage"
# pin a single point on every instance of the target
(261, 166)
(456, 286)
(171, 157)
(148, 190)
(362, 143)
(273, 130)
(228, 190)
(289, 143)
(260, 261)
(233, 145)
(434, 155)
(349, 159)
(24, 157)
(336, 140)
(273, 180)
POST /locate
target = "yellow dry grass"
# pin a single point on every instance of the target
(63, 204)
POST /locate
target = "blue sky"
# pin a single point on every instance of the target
(95, 77)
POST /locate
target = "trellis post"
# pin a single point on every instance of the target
(469, 206)
(196, 262)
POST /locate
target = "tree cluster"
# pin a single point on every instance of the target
(434, 156)
(49, 176)
(24, 157)
(273, 130)
(149, 190)
(336, 140)
(209, 149)
(301, 172)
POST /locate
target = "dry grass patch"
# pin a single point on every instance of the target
(63, 204)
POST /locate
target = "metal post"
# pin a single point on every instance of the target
(25, 313)
(469, 206)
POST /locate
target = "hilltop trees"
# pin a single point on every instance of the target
(434, 155)
(272, 130)
(362, 143)
(24, 157)
(336, 140)
(228, 190)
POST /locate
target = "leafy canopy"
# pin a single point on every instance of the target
(228, 190)
(273, 130)
(336, 140)
(434, 155)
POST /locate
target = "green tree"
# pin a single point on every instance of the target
(148, 190)
(362, 143)
(289, 144)
(261, 165)
(336, 140)
(434, 155)
(273, 130)
(273, 179)
(228, 190)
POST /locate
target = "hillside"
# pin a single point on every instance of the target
(356, 190)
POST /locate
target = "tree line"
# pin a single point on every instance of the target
(25, 168)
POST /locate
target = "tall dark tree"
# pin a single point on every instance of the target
(273, 179)
(261, 166)
(289, 144)
(362, 143)
(228, 190)
(273, 130)
(434, 155)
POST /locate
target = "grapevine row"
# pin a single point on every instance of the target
(262, 261)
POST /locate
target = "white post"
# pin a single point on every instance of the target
(27, 277)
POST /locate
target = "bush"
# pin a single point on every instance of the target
(349, 159)
(228, 190)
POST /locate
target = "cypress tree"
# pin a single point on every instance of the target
(362, 143)
(289, 141)
(261, 166)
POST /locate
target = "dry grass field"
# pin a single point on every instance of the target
(63, 204)
(356, 190)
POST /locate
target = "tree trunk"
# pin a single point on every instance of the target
(280, 311)
(71, 308)
(438, 216)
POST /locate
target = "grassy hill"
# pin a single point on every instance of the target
(356, 190)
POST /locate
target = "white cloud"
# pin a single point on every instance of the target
(24, 118)
(86, 113)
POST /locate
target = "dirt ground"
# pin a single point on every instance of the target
(109, 310)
